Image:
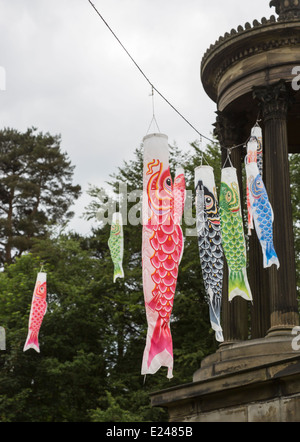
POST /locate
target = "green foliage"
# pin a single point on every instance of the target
(295, 194)
(36, 189)
(112, 412)
(190, 314)
(93, 334)
(56, 384)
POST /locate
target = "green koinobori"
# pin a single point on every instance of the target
(116, 245)
(233, 238)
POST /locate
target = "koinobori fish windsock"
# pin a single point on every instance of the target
(262, 214)
(251, 158)
(233, 238)
(256, 134)
(210, 243)
(162, 247)
(254, 155)
(37, 312)
(179, 194)
(116, 245)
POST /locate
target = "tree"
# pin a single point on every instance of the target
(36, 189)
(93, 334)
(67, 378)
(295, 194)
(190, 314)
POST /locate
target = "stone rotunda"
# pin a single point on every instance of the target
(251, 74)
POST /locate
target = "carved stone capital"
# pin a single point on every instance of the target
(273, 100)
(228, 130)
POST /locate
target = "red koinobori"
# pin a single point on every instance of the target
(37, 312)
(162, 248)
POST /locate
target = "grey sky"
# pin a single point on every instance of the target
(66, 74)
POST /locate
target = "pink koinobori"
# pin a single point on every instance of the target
(162, 249)
(37, 312)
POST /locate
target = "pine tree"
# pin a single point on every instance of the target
(36, 189)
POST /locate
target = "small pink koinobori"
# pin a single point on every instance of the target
(163, 204)
(37, 312)
(254, 155)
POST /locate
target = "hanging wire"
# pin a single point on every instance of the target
(144, 75)
(201, 151)
(160, 94)
(245, 142)
(230, 148)
(202, 156)
(153, 113)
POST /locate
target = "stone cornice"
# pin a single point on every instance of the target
(245, 42)
(228, 36)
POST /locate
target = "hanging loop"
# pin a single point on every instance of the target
(258, 120)
(201, 151)
(153, 120)
(228, 157)
(202, 156)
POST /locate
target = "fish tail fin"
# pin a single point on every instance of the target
(216, 326)
(214, 314)
(32, 341)
(161, 349)
(238, 285)
(118, 271)
(270, 256)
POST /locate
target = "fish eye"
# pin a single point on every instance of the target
(168, 181)
(228, 196)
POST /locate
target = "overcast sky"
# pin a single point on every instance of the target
(66, 74)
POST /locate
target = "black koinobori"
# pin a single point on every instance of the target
(210, 243)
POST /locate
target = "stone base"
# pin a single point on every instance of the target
(252, 381)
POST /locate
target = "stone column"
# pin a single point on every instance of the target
(260, 309)
(234, 313)
(274, 101)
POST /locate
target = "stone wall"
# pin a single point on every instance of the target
(257, 392)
